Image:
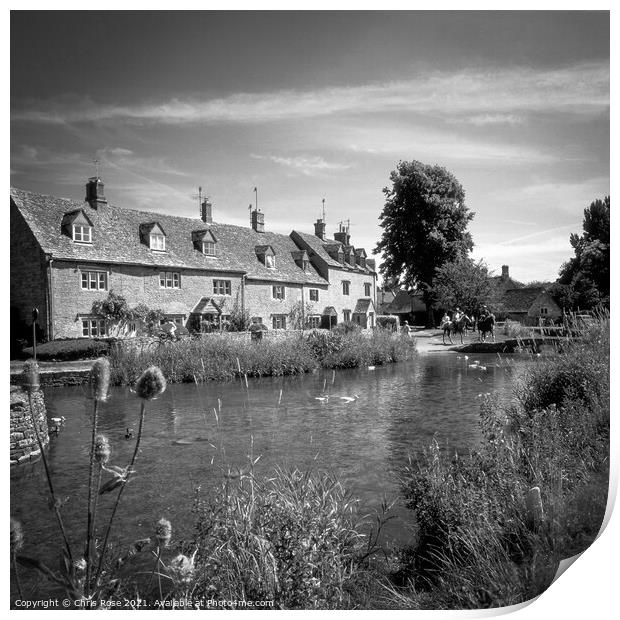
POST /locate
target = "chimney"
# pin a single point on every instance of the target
(258, 221)
(319, 229)
(206, 214)
(505, 275)
(94, 193)
(342, 235)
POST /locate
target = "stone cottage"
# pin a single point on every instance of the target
(66, 254)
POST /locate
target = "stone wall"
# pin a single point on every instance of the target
(28, 275)
(137, 284)
(24, 444)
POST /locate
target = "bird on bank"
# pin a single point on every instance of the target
(323, 399)
(349, 399)
(59, 421)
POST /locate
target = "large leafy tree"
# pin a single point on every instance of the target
(462, 283)
(587, 273)
(424, 223)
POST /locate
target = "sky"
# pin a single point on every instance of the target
(307, 106)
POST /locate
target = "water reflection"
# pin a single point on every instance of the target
(193, 433)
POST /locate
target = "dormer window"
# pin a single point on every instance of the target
(82, 234)
(205, 242)
(153, 236)
(157, 242)
(266, 255)
(301, 259)
(77, 226)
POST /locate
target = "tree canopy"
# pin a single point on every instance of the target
(585, 277)
(462, 283)
(424, 223)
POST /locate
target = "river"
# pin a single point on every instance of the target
(193, 432)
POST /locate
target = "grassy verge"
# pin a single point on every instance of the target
(493, 525)
(225, 356)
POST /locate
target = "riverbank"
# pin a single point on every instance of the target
(223, 357)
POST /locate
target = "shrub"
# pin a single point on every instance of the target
(71, 349)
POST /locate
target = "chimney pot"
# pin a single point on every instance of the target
(319, 229)
(94, 192)
(206, 212)
(258, 221)
(505, 275)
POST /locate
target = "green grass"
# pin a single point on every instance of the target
(226, 356)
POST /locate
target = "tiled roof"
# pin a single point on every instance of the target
(520, 299)
(318, 247)
(116, 240)
(362, 306)
(406, 302)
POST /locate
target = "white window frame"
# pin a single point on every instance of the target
(270, 261)
(94, 280)
(315, 292)
(82, 234)
(278, 318)
(225, 284)
(208, 248)
(346, 316)
(94, 327)
(169, 279)
(276, 289)
(367, 289)
(157, 242)
(346, 287)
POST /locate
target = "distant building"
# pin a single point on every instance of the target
(409, 306)
(385, 297)
(499, 286)
(66, 254)
(529, 305)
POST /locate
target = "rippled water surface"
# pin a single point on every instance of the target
(399, 408)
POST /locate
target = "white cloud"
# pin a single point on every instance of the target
(309, 165)
(580, 89)
(481, 120)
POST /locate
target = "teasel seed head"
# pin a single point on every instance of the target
(534, 506)
(100, 378)
(163, 532)
(151, 383)
(17, 536)
(102, 449)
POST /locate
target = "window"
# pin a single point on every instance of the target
(314, 294)
(314, 322)
(544, 310)
(222, 287)
(158, 242)
(367, 289)
(345, 287)
(270, 261)
(94, 280)
(279, 321)
(278, 292)
(346, 315)
(83, 234)
(208, 248)
(169, 279)
(93, 328)
(304, 265)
